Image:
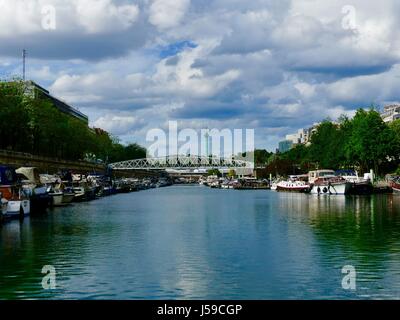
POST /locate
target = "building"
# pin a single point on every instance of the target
(391, 113)
(36, 91)
(302, 136)
(285, 146)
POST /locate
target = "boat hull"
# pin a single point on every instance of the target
(361, 189)
(57, 199)
(331, 189)
(18, 209)
(68, 198)
(40, 203)
(293, 189)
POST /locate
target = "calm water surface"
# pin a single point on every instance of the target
(198, 243)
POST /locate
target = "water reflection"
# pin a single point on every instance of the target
(198, 243)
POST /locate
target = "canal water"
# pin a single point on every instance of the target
(191, 242)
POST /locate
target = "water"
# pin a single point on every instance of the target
(190, 242)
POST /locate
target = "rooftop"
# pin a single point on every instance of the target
(61, 105)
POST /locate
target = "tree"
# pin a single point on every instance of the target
(232, 173)
(327, 145)
(33, 124)
(214, 172)
(261, 157)
(371, 142)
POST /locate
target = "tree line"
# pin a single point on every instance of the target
(34, 125)
(361, 143)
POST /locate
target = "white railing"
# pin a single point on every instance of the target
(181, 162)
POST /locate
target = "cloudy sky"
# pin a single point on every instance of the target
(272, 65)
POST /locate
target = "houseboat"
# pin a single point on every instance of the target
(325, 182)
(293, 186)
(40, 200)
(13, 195)
(358, 185)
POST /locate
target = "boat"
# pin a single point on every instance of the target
(57, 198)
(325, 182)
(214, 184)
(40, 200)
(394, 183)
(358, 185)
(293, 186)
(60, 197)
(12, 194)
(3, 205)
(68, 197)
(251, 184)
(79, 194)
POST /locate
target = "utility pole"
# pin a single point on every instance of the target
(23, 64)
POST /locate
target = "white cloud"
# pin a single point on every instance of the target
(117, 125)
(23, 17)
(273, 65)
(166, 14)
(104, 16)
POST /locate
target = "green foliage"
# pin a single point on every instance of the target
(232, 173)
(261, 156)
(214, 172)
(372, 142)
(364, 142)
(327, 145)
(34, 125)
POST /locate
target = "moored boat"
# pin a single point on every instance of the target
(293, 186)
(395, 184)
(56, 198)
(40, 200)
(68, 197)
(358, 185)
(79, 194)
(331, 186)
(325, 182)
(13, 195)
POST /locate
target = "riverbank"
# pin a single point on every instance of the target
(28, 191)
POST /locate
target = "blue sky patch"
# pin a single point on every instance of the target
(174, 48)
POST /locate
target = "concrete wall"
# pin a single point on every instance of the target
(46, 165)
(52, 165)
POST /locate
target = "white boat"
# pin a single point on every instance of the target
(57, 198)
(225, 185)
(80, 194)
(3, 205)
(18, 208)
(68, 198)
(293, 186)
(18, 203)
(331, 186)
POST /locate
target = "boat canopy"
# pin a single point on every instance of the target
(345, 172)
(31, 174)
(49, 179)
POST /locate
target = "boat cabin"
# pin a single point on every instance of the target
(314, 175)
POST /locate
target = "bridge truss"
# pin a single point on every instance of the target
(182, 162)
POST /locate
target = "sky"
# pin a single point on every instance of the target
(271, 65)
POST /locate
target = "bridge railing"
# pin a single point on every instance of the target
(181, 162)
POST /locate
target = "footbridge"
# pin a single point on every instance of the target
(182, 162)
